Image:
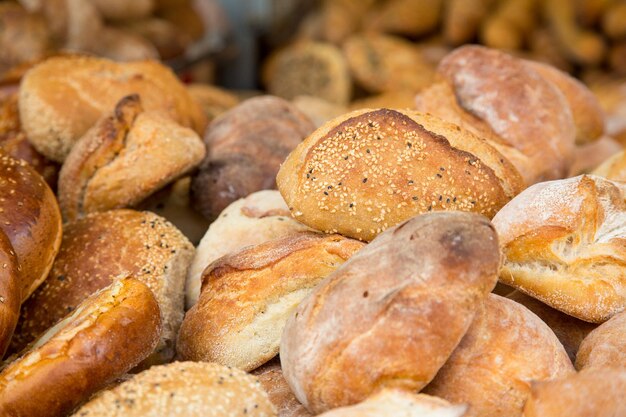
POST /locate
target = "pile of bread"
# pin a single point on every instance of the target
(426, 261)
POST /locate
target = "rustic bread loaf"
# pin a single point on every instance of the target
(563, 243)
(271, 378)
(108, 334)
(10, 294)
(605, 346)
(394, 297)
(247, 297)
(370, 169)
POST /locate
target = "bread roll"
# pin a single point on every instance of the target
(95, 251)
(23, 36)
(399, 403)
(124, 10)
(506, 348)
(370, 169)
(107, 335)
(258, 218)
(271, 378)
(125, 157)
(406, 17)
(180, 389)
(612, 96)
(246, 146)
(395, 296)
(122, 45)
(592, 392)
(569, 330)
(30, 217)
(318, 110)
(213, 100)
(614, 168)
(605, 346)
(10, 295)
(563, 243)
(502, 99)
(61, 98)
(590, 158)
(308, 69)
(247, 297)
(389, 100)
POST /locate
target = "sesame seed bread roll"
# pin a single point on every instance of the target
(564, 244)
(248, 296)
(107, 335)
(502, 99)
(605, 346)
(394, 296)
(125, 157)
(399, 403)
(30, 217)
(273, 382)
(61, 98)
(10, 294)
(371, 169)
(505, 349)
(258, 218)
(183, 389)
(95, 251)
(591, 392)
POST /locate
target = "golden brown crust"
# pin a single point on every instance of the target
(614, 168)
(271, 378)
(393, 306)
(30, 217)
(247, 296)
(95, 251)
(183, 389)
(317, 109)
(64, 367)
(505, 348)
(605, 346)
(10, 294)
(406, 17)
(214, 100)
(371, 169)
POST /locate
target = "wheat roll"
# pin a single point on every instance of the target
(395, 295)
(188, 389)
(10, 294)
(107, 335)
(273, 382)
(371, 169)
(605, 346)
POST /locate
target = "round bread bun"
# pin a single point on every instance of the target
(30, 217)
(185, 389)
(258, 218)
(271, 378)
(605, 346)
(591, 392)
(10, 294)
(107, 335)
(394, 297)
(247, 297)
(124, 158)
(505, 348)
(371, 169)
(61, 98)
(95, 251)
(213, 100)
(563, 243)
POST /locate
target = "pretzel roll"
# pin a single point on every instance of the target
(395, 296)
(95, 251)
(605, 346)
(370, 169)
(30, 217)
(183, 389)
(564, 244)
(247, 297)
(502, 99)
(505, 349)
(10, 295)
(107, 335)
(271, 378)
(124, 158)
(61, 98)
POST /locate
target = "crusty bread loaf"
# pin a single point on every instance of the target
(592, 392)
(258, 218)
(605, 346)
(95, 251)
(183, 389)
(245, 147)
(569, 330)
(371, 169)
(502, 99)
(125, 157)
(271, 378)
(399, 403)
(563, 243)
(107, 335)
(61, 98)
(394, 297)
(506, 348)
(248, 296)
(30, 217)
(10, 294)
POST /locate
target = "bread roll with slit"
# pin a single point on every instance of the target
(605, 346)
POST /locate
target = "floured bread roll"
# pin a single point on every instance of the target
(258, 218)
(564, 244)
(605, 345)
